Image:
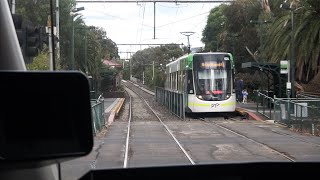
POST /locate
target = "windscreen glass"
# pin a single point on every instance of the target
(212, 76)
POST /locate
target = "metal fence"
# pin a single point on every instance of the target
(98, 114)
(173, 101)
(301, 113)
(264, 103)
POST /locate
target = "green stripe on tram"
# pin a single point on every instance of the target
(228, 104)
(198, 104)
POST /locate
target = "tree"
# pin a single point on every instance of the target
(240, 34)
(91, 44)
(41, 62)
(265, 6)
(142, 61)
(212, 33)
(306, 35)
(37, 13)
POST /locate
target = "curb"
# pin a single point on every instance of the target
(249, 115)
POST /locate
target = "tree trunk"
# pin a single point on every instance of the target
(265, 6)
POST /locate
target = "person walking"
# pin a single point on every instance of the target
(244, 96)
(239, 88)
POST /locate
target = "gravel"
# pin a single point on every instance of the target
(160, 110)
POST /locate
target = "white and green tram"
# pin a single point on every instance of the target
(205, 79)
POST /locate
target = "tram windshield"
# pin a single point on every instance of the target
(212, 76)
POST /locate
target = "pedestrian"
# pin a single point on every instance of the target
(239, 88)
(244, 96)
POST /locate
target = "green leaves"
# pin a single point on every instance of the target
(41, 62)
(142, 61)
(306, 38)
(268, 42)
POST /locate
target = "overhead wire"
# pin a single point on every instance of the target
(193, 29)
(179, 5)
(183, 19)
(174, 18)
(192, 37)
(144, 9)
(138, 27)
(118, 17)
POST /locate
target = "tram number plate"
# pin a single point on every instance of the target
(215, 105)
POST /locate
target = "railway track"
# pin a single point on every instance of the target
(154, 137)
(231, 117)
(148, 135)
(138, 100)
(217, 120)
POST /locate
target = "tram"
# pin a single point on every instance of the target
(206, 80)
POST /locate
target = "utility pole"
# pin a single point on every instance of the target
(50, 43)
(154, 20)
(57, 30)
(143, 77)
(85, 53)
(72, 44)
(285, 6)
(13, 6)
(152, 70)
(293, 56)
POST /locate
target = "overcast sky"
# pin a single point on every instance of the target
(134, 22)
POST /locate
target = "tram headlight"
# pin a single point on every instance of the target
(227, 96)
(199, 97)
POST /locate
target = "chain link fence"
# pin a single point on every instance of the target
(98, 114)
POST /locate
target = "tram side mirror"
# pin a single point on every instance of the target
(44, 115)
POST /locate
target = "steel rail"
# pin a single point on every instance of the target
(169, 131)
(125, 162)
(288, 135)
(257, 142)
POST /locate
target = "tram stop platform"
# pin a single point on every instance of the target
(249, 111)
(112, 108)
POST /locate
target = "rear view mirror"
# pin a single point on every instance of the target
(44, 115)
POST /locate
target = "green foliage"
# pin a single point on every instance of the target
(126, 71)
(41, 62)
(306, 37)
(91, 44)
(235, 28)
(107, 78)
(229, 29)
(142, 61)
(214, 29)
(36, 12)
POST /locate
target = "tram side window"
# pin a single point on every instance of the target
(180, 81)
(190, 82)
